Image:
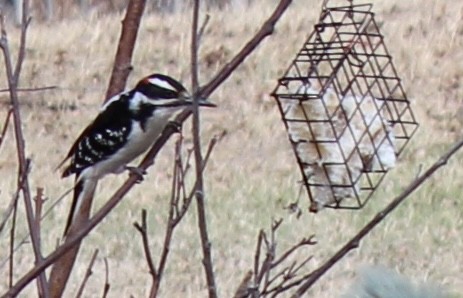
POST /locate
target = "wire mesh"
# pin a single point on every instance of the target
(344, 108)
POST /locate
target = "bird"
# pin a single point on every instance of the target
(125, 127)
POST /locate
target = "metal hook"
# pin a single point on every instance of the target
(350, 12)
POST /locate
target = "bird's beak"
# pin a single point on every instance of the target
(204, 102)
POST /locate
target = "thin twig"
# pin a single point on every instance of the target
(88, 273)
(107, 286)
(22, 43)
(146, 247)
(21, 182)
(285, 255)
(243, 288)
(5, 127)
(203, 27)
(12, 238)
(36, 89)
(170, 220)
(38, 212)
(221, 76)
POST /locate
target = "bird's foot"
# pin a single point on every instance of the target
(175, 125)
(135, 171)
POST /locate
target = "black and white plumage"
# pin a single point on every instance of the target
(127, 125)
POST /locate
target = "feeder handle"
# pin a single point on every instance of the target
(325, 7)
(325, 4)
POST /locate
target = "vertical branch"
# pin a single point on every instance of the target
(22, 44)
(173, 205)
(12, 237)
(143, 229)
(62, 269)
(13, 78)
(199, 192)
(122, 62)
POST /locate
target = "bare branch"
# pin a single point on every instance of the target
(88, 273)
(22, 43)
(36, 89)
(199, 185)
(266, 30)
(173, 206)
(5, 127)
(122, 62)
(8, 211)
(267, 282)
(12, 238)
(243, 288)
(62, 268)
(203, 27)
(355, 241)
(285, 255)
(146, 247)
(13, 78)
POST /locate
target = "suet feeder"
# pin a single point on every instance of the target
(345, 110)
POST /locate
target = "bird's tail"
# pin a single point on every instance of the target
(84, 189)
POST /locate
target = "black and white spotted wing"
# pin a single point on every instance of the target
(102, 138)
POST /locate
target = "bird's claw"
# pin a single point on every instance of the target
(175, 125)
(135, 171)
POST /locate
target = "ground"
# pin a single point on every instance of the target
(252, 174)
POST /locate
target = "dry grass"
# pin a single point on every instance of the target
(253, 173)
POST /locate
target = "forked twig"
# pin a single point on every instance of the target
(142, 228)
(176, 213)
(265, 281)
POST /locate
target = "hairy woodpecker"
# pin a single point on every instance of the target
(126, 126)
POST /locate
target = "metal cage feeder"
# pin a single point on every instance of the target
(345, 110)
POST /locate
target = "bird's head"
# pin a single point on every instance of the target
(164, 91)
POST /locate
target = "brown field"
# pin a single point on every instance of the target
(252, 174)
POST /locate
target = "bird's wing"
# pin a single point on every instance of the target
(101, 139)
